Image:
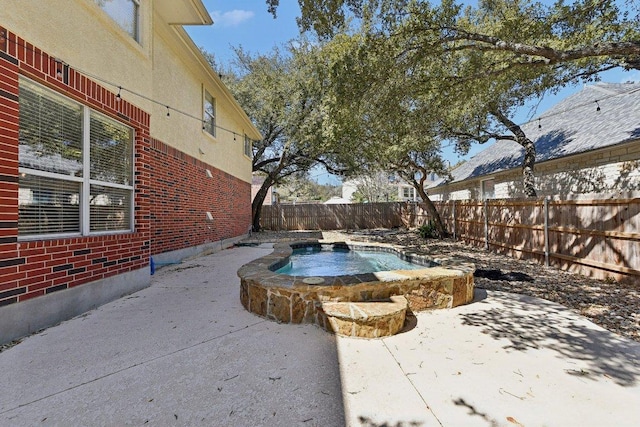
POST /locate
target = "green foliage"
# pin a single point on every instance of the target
(282, 93)
(428, 230)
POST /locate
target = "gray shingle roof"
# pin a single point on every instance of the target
(570, 127)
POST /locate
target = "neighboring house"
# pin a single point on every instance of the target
(384, 187)
(335, 200)
(588, 143)
(118, 143)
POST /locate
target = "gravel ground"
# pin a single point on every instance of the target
(613, 306)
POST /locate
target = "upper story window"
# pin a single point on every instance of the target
(126, 13)
(209, 113)
(248, 146)
(76, 167)
(407, 192)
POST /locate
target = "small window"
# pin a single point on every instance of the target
(407, 193)
(488, 189)
(125, 13)
(209, 115)
(248, 147)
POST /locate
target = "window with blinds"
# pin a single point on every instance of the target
(48, 205)
(76, 167)
(125, 13)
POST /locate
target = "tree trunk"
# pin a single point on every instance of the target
(433, 212)
(529, 161)
(258, 200)
(528, 176)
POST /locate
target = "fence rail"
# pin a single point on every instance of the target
(597, 238)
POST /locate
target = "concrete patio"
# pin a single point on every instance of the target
(185, 352)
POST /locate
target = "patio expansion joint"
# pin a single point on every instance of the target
(408, 377)
(153, 359)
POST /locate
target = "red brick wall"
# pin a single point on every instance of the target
(182, 193)
(32, 268)
(172, 191)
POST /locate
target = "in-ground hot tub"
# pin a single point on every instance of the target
(438, 283)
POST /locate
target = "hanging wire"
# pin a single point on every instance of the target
(139, 95)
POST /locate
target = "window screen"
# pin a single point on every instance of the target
(111, 150)
(124, 13)
(110, 208)
(47, 206)
(209, 116)
(248, 148)
(50, 131)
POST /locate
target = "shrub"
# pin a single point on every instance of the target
(428, 230)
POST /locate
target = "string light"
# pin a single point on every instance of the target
(59, 74)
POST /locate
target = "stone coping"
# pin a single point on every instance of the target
(263, 269)
(370, 319)
(443, 283)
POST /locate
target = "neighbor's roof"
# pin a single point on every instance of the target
(572, 126)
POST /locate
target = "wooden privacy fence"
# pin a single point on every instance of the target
(333, 217)
(598, 238)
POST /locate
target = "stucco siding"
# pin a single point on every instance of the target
(161, 67)
(179, 80)
(82, 35)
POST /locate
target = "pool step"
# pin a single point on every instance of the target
(369, 319)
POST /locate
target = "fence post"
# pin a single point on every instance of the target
(546, 231)
(486, 225)
(454, 221)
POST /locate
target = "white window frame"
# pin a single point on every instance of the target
(85, 181)
(407, 192)
(208, 121)
(135, 34)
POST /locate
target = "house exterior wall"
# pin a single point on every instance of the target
(35, 269)
(608, 170)
(180, 201)
(46, 280)
(80, 33)
(164, 66)
(180, 77)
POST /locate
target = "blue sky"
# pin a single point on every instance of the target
(247, 23)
